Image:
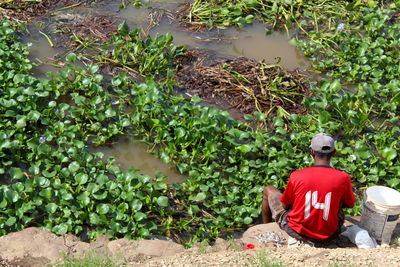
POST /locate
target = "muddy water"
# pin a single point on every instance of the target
(129, 153)
(41, 53)
(251, 42)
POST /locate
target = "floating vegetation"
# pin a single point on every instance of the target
(248, 86)
(51, 179)
(310, 14)
(76, 29)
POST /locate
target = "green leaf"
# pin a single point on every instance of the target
(33, 115)
(164, 157)
(51, 208)
(71, 58)
(84, 198)
(11, 221)
(60, 229)
(393, 183)
(21, 122)
(162, 201)
(3, 203)
(46, 193)
(324, 116)
(110, 113)
(81, 178)
(389, 153)
(102, 208)
(44, 149)
(136, 205)
(193, 209)
(16, 173)
(100, 196)
(93, 68)
(123, 29)
(12, 196)
(94, 218)
(247, 220)
(200, 197)
(195, 99)
(102, 179)
(139, 216)
(245, 148)
(335, 86)
(93, 188)
(66, 195)
(73, 166)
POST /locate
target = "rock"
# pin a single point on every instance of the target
(100, 245)
(250, 235)
(138, 250)
(37, 246)
(220, 244)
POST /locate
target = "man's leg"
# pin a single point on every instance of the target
(270, 204)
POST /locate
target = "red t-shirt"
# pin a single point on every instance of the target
(316, 195)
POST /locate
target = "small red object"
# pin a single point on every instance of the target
(249, 246)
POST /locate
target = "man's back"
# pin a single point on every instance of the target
(316, 195)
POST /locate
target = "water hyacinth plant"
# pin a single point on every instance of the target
(52, 180)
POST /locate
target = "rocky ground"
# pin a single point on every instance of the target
(37, 247)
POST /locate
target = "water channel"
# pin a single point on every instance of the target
(251, 42)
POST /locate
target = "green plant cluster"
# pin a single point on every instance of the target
(309, 14)
(148, 57)
(366, 53)
(365, 50)
(50, 178)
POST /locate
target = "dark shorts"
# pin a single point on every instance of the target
(279, 215)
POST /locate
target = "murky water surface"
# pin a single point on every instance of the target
(41, 53)
(130, 153)
(251, 42)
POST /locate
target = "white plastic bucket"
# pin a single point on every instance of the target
(381, 212)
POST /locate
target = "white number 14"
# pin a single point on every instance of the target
(311, 199)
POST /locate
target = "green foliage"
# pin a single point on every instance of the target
(308, 14)
(366, 50)
(149, 57)
(50, 179)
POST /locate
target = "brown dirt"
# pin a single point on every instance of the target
(292, 257)
(37, 247)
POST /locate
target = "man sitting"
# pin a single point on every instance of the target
(310, 208)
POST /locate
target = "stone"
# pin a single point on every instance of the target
(250, 235)
(38, 246)
(220, 244)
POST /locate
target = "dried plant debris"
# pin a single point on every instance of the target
(155, 17)
(22, 10)
(272, 237)
(247, 85)
(83, 27)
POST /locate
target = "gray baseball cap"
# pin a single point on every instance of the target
(322, 143)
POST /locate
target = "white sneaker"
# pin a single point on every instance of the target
(294, 243)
